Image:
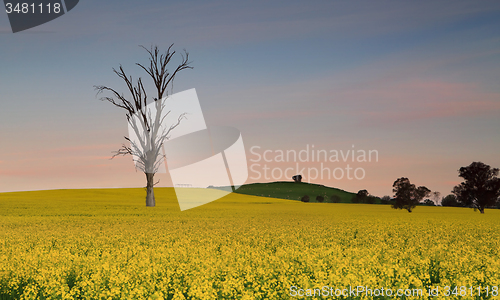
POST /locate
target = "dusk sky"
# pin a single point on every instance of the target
(417, 81)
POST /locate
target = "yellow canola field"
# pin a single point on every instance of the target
(105, 244)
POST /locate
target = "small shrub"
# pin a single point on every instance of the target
(335, 199)
(385, 200)
(370, 199)
(429, 202)
(320, 198)
(450, 200)
(360, 197)
(305, 198)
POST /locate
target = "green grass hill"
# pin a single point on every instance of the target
(292, 191)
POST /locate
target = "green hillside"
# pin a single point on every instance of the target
(292, 191)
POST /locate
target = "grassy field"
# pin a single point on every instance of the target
(105, 244)
(293, 191)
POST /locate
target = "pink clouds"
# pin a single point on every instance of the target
(416, 99)
(83, 163)
(261, 115)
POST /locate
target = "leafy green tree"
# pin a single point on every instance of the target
(364, 197)
(360, 197)
(370, 199)
(320, 198)
(385, 200)
(335, 199)
(450, 200)
(407, 195)
(429, 202)
(481, 186)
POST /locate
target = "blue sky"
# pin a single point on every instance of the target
(417, 81)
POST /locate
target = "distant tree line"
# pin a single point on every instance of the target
(479, 190)
(364, 197)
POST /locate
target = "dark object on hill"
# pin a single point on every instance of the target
(305, 198)
(335, 199)
(364, 197)
(320, 198)
(297, 178)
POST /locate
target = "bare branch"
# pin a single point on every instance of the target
(158, 71)
(124, 150)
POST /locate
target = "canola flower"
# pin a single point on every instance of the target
(103, 244)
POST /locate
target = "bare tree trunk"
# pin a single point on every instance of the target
(150, 193)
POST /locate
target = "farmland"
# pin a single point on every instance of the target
(105, 244)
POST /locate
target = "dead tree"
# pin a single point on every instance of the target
(147, 121)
